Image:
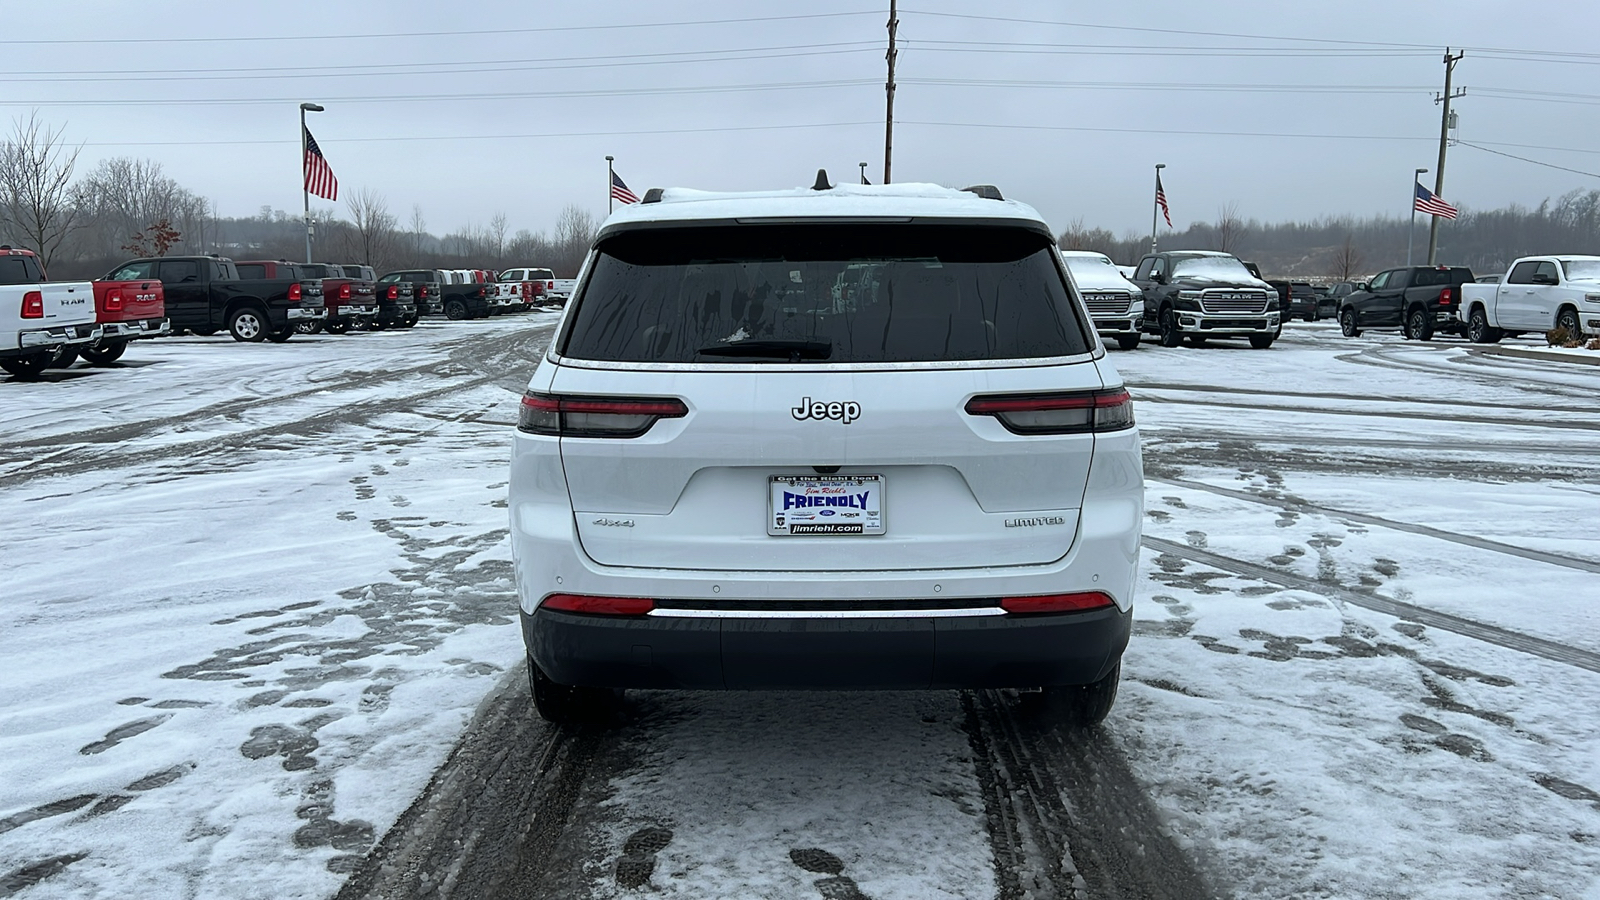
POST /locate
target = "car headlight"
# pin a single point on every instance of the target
(1592, 298)
(1188, 295)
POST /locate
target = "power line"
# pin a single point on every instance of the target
(1527, 160)
(431, 34)
(455, 98)
(1246, 88)
(485, 137)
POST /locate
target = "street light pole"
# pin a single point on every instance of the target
(611, 199)
(1411, 235)
(305, 186)
(1155, 206)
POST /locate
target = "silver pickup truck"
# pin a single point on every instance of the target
(38, 318)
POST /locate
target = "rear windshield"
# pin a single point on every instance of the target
(1433, 277)
(20, 270)
(835, 293)
(541, 275)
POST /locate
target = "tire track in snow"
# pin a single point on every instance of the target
(1302, 506)
(1501, 637)
(69, 462)
(1067, 819)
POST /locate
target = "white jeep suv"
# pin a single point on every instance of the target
(850, 436)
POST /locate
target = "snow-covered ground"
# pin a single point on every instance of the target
(253, 595)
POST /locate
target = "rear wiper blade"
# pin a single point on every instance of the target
(794, 351)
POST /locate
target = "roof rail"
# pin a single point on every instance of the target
(822, 181)
(986, 191)
(652, 195)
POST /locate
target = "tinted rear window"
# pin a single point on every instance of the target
(840, 293)
(251, 271)
(20, 270)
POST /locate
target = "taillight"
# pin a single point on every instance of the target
(344, 291)
(113, 300)
(1446, 296)
(1056, 603)
(394, 292)
(294, 292)
(599, 606)
(33, 305)
(1078, 413)
(604, 417)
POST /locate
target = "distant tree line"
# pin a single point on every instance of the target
(82, 226)
(1344, 247)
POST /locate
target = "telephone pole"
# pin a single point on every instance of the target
(888, 118)
(1444, 143)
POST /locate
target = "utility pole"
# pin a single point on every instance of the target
(1411, 234)
(1155, 206)
(1444, 143)
(888, 118)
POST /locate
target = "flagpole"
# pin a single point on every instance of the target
(1155, 206)
(611, 179)
(305, 188)
(1411, 236)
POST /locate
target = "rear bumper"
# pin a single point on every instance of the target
(759, 653)
(140, 328)
(44, 338)
(307, 314)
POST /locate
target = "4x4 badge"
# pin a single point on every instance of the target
(846, 411)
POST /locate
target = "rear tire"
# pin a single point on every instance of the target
(339, 327)
(1262, 341)
(1169, 335)
(64, 357)
(1347, 323)
(248, 324)
(1419, 325)
(278, 337)
(104, 354)
(310, 326)
(455, 309)
(1128, 341)
(27, 367)
(1077, 705)
(1478, 329)
(562, 704)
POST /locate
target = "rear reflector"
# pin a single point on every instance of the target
(599, 606)
(604, 417)
(1075, 413)
(33, 305)
(1055, 603)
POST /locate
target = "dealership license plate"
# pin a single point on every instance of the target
(825, 504)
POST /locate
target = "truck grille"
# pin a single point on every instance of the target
(1234, 302)
(1107, 303)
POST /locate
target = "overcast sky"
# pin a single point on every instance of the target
(474, 107)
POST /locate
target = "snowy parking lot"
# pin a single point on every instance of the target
(259, 640)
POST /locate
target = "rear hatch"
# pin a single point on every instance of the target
(824, 373)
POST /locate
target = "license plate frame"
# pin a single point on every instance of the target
(854, 506)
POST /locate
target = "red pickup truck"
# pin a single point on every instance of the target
(126, 311)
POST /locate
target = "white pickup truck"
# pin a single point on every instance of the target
(1115, 303)
(39, 318)
(1537, 294)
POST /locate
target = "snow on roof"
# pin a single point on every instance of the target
(840, 201)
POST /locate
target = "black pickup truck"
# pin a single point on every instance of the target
(204, 294)
(1200, 294)
(1419, 300)
(397, 300)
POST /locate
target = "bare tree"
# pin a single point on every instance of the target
(36, 195)
(575, 231)
(497, 237)
(372, 228)
(1347, 259)
(419, 227)
(1230, 228)
(123, 197)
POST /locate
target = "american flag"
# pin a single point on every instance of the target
(619, 191)
(319, 177)
(1161, 201)
(1432, 204)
